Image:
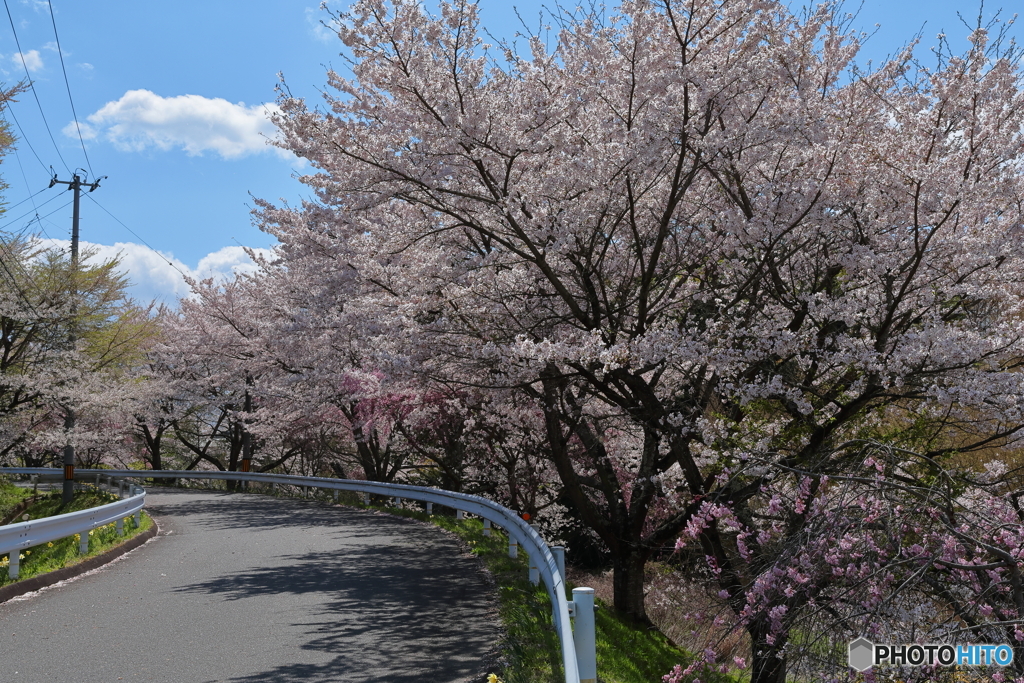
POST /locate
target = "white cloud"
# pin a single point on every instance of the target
(33, 62)
(160, 276)
(227, 261)
(316, 26)
(38, 5)
(142, 119)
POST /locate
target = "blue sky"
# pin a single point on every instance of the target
(171, 99)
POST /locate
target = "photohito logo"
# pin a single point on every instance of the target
(864, 654)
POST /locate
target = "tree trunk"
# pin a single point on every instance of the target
(235, 434)
(768, 664)
(628, 584)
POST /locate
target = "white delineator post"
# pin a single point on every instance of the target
(584, 634)
(534, 573)
(559, 553)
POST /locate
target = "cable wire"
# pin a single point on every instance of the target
(36, 211)
(137, 236)
(21, 132)
(17, 288)
(33, 196)
(32, 87)
(28, 276)
(60, 53)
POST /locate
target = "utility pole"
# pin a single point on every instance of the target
(75, 184)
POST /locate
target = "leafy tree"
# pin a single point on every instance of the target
(43, 375)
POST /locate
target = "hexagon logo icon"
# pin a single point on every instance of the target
(860, 657)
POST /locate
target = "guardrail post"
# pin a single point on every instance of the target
(366, 499)
(430, 508)
(584, 634)
(138, 518)
(559, 553)
(83, 542)
(459, 514)
(513, 547)
(487, 527)
(13, 564)
(335, 495)
(120, 526)
(398, 503)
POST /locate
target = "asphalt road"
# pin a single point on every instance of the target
(248, 589)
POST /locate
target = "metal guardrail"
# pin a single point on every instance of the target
(17, 537)
(578, 655)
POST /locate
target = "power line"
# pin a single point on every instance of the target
(60, 53)
(21, 132)
(35, 210)
(17, 288)
(32, 87)
(33, 196)
(14, 258)
(137, 236)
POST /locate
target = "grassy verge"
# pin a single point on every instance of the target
(11, 496)
(531, 652)
(64, 553)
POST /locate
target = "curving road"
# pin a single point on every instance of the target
(248, 589)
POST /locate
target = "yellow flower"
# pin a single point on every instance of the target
(28, 552)
(21, 556)
(50, 544)
(493, 678)
(90, 533)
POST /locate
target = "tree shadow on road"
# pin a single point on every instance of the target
(402, 604)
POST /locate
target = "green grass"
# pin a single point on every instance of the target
(530, 652)
(10, 497)
(63, 553)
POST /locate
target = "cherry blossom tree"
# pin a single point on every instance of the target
(693, 233)
(214, 356)
(890, 544)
